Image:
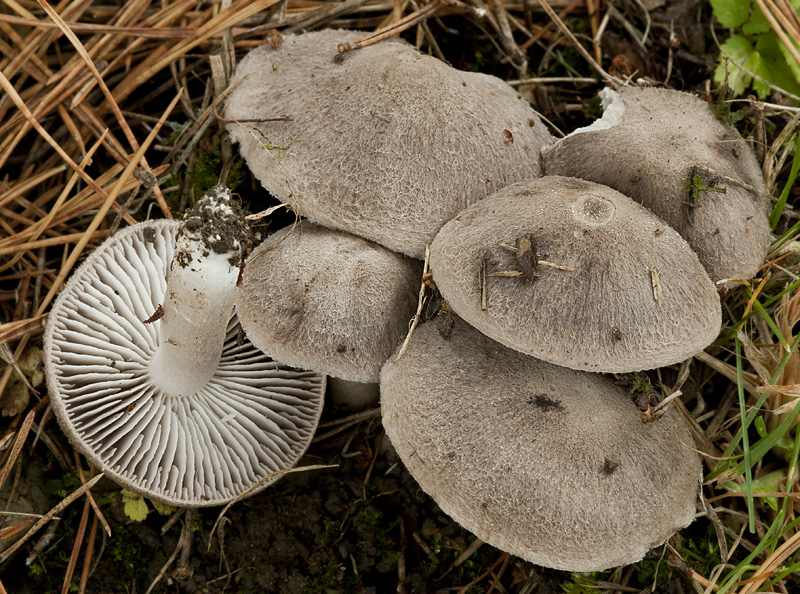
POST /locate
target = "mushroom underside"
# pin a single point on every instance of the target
(254, 417)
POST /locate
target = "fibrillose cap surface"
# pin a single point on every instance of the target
(649, 146)
(255, 416)
(329, 301)
(384, 142)
(550, 464)
(630, 293)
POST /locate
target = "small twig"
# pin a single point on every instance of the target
(420, 301)
(680, 564)
(471, 549)
(509, 248)
(502, 559)
(87, 558)
(612, 81)
(437, 51)
(656, 283)
(19, 440)
(351, 419)
(184, 570)
(482, 279)
(346, 423)
(518, 57)
(176, 515)
(712, 515)
(49, 515)
(507, 274)
(323, 15)
(169, 561)
(89, 496)
(44, 540)
(552, 80)
(375, 451)
(394, 29)
(76, 548)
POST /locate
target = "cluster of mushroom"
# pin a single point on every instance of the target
(387, 151)
(568, 275)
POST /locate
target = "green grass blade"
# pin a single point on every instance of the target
(775, 216)
(726, 464)
(748, 472)
(771, 323)
(770, 541)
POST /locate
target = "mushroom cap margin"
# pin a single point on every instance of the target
(636, 298)
(654, 143)
(326, 300)
(547, 463)
(384, 142)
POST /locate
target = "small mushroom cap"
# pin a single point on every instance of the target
(329, 301)
(650, 145)
(553, 465)
(631, 294)
(254, 417)
(384, 142)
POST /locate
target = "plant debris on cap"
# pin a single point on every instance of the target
(328, 301)
(553, 465)
(577, 274)
(254, 417)
(384, 142)
(657, 146)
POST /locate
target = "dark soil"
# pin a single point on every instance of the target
(363, 526)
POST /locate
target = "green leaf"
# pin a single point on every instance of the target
(757, 24)
(769, 483)
(769, 59)
(791, 63)
(163, 508)
(777, 64)
(757, 65)
(731, 13)
(739, 50)
(135, 505)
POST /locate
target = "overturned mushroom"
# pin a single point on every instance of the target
(147, 373)
(328, 301)
(383, 142)
(550, 464)
(668, 151)
(577, 274)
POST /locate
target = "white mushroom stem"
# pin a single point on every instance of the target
(201, 289)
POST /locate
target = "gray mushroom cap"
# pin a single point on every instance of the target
(253, 418)
(631, 294)
(383, 142)
(553, 465)
(650, 145)
(325, 300)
